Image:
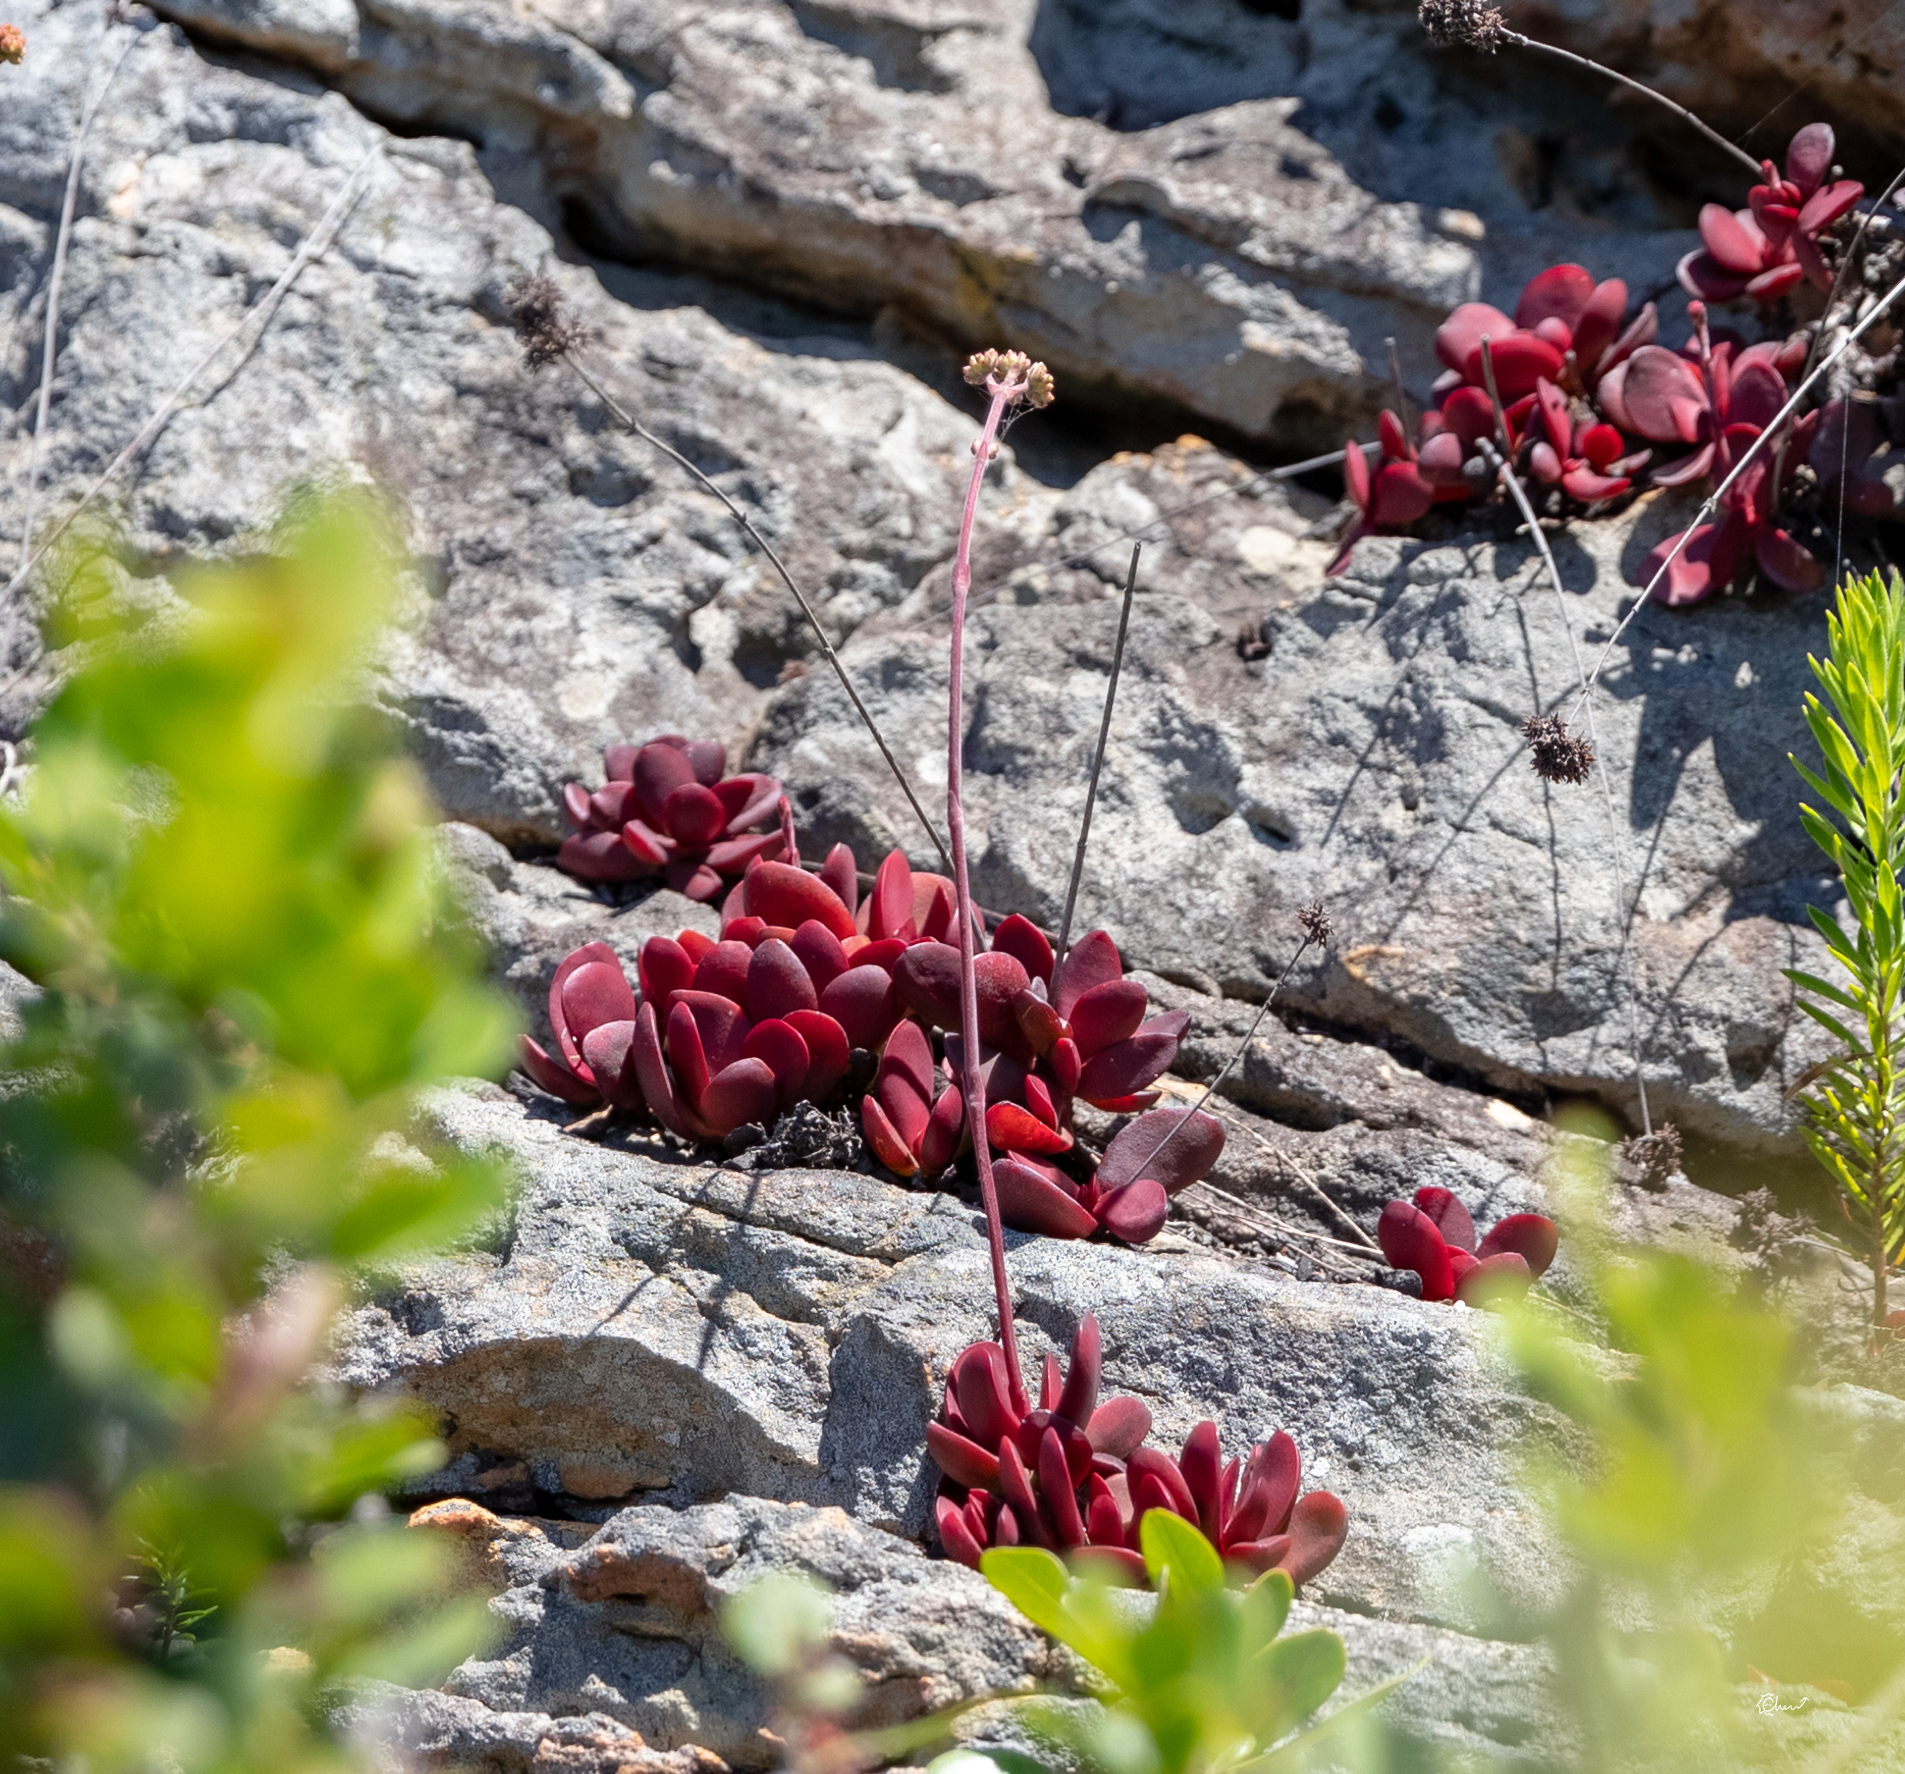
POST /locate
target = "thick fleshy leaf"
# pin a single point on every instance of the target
(1450, 1217)
(596, 993)
(884, 1138)
(1521, 360)
(748, 800)
(1016, 1484)
(618, 762)
(1469, 413)
(861, 1001)
(1356, 473)
(1734, 239)
(687, 1057)
(820, 955)
(1409, 1240)
(1701, 568)
(1108, 1014)
(979, 1382)
(721, 1023)
(1591, 488)
(1031, 1202)
(723, 970)
(1756, 390)
(1691, 467)
(1544, 464)
(1771, 284)
(1610, 393)
(732, 855)
(659, 770)
(1021, 938)
(1399, 494)
(1662, 396)
(1271, 1478)
(777, 983)
(1552, 407)
(1118, 1426)
(1505, 1275)
(955, 1534)
(554, 1077)
(1135, 1062)
(575, 803)
(828, 1054)
(657, 1081)
(1787, 562)
(840, 874)
(1137, 1212)
(1057, 1483)
(1091, 961)
(1702, 275)
(611, 806)
(601, 856)
(1154, 1464)
(609, 1049)
(693, 816)
(785, 1053)
(964, 1462)
(664, 969)
(1826, 206)
(1202, 1463)
(1533, 1235)
(890, 904)
(784, 895)
(1441, 461)
(1809, 157)
(743, 1091)
(1040, 1024)
(1599, 323)
(1104, 1525)
(945, 1133)
(1080, 1394)
(1562, 292)
(926, 978)
(589, 955)
(1191, 1150)
(1318, 1526)
(1459, 337)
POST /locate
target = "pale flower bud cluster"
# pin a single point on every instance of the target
(12, 44)
(1013, 372)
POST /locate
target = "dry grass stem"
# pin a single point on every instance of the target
(1098, 756)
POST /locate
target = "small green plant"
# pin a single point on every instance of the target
(1200, 1680)
(222, 883)
(1854, 1118)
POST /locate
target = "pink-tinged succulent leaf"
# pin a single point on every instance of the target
(828, 1055)
(1521, 360)
(657, 1081)
(1531, 1235)
(1505, 1275)
(1040, 1024)
(1080, 1394)
(1441, 461)
(926, 979)
(611, 806)
(664, 969)
(1706, 563)
(618, 762)
(1702, 275)
(1812, 261)
(1776, 218)
(1734, 239)
(554, 1077)
(1118, 1427)
(708, 758)
(1137, 1212)
(909, 1059)
(777, 983)
(882, 954)
(784, 895)
(1025, 941)
(1318, 1526)
(1091, 961)
(1134, 1062)
(820, 955)
(1393, 439)
(945, 1133)
(747, 800)
(609, 1049)
(1356, 473)
(1599, 446)
(1769, 285)
(1201, 1462)
(721, 1023)
(659, 770)
(692, 815)
(1049, 1384)
(1591, 488)
(1662, 396)
(1399, 494)
(1159, 1468)
(1272, 1476)
(1104, 1525)
(732, 855)
(1556, 333)
(861, 1001)
(840, 874)
(890, 904)
(1409, 1240)
(934, 907)
(1459, 337)
(1056, 1482)
(687, 1057)
(1544, 464)
(1610, 394)
(1562, 293)
(1108, 1014)
(1643, 329)
(1552, 405)
(741, 1092)
(694, 880)
(648, 846)
(964, 1462)
(1470, 414)
(1117, 1567)
(1065, 1064)
(749, 932)
(1599, 323)
(724, 970)
(1691, 467)
(593, 994)
(575, 803)
(1449, 1216)
(1039, 1100)
(1186, 1159)
(1258, 1556)
(978, 1382)
(885, 1140)
(955, 1535)
(601, 856)
(1826, 206)
(780, 1046)
(1809, 157)
(1031, 1202)
(1016, 1484)
(590, 954)
(1786, 562)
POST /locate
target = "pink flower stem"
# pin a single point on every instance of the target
(972, 1076)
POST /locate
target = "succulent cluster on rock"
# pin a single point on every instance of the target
(1581, 401)
(1435, 1237)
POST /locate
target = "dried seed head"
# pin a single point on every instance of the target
(12, 45)
(1558, 755)
(1465, 22)
(543, 327)
(1015, 372)
(1651, 1159)
(1315, 923)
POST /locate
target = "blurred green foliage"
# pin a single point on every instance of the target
(220, 877)
(1854, 1106)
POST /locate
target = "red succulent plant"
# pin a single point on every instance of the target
(1772, 245)
(1074, 1475)
(1129, 1194)
(1436, 1238)
(666, 809)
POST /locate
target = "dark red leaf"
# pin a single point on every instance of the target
(1409, 1240)
(1023, 939)
(1118, 1426)
(1449, 1217)
(1532, 1235)
(1187, 1158)
(861, 1001)
(777, 983)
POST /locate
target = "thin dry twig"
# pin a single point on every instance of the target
(1739, 468)
(1098, 757)
(1224, 1202)
(56, 282)
(566, 351)
(260, 312)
